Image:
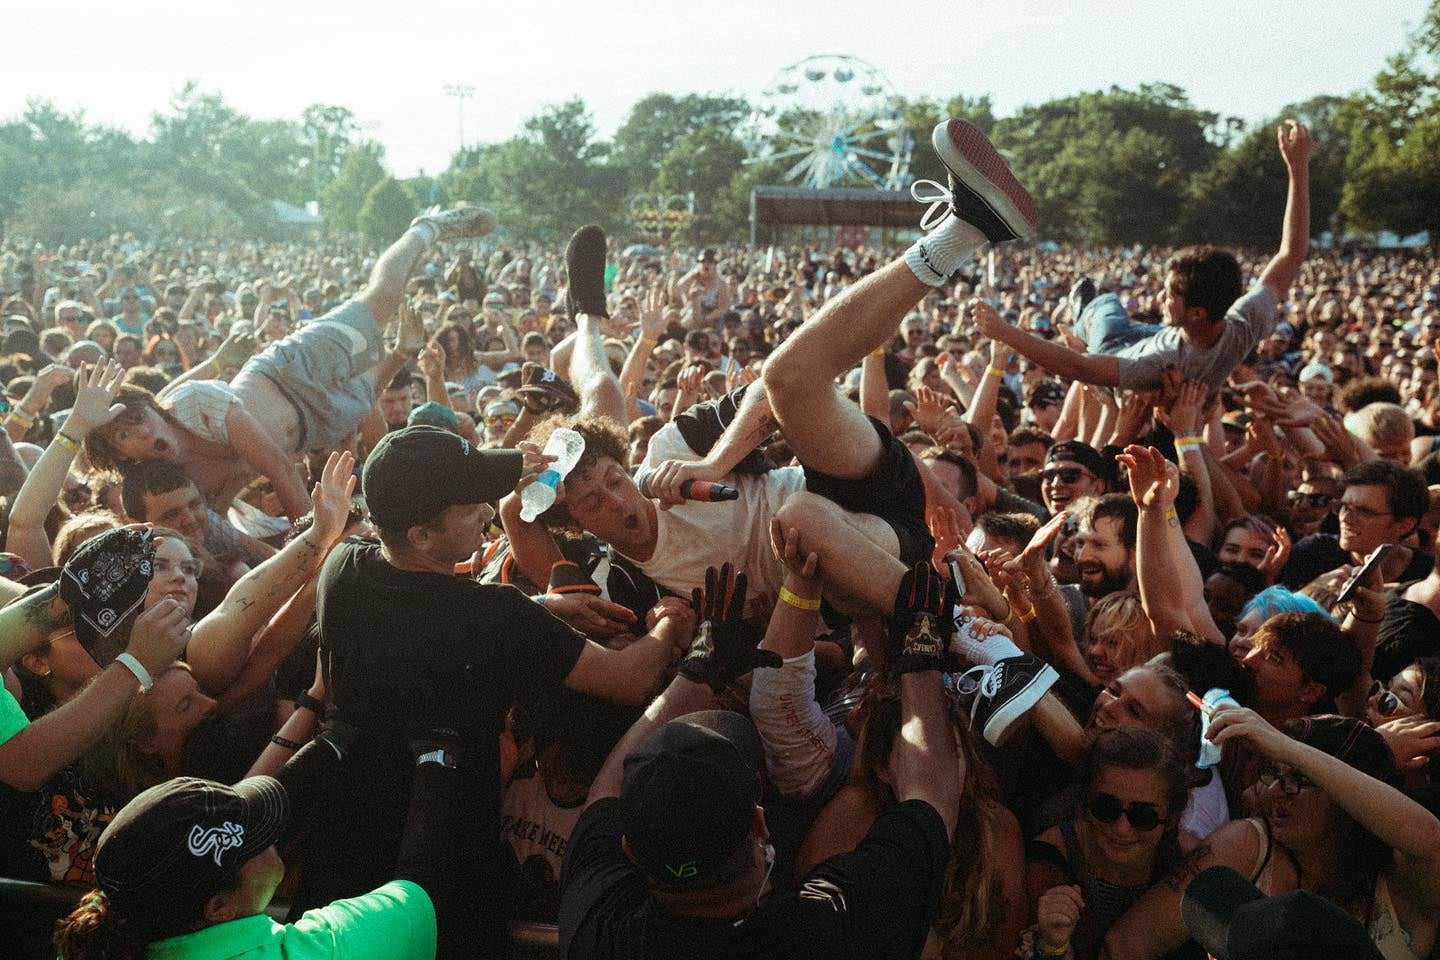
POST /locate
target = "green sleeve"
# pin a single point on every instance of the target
(393, 922)
(12, 718)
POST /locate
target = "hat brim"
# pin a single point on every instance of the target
(267, 811)
(492, 474)
(1209, 906)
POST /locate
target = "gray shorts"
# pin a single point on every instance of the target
(323, 369)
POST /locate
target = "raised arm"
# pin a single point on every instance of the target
(1171, 590)
(222, 640)
(652, 324)
(93, 407)
(1280, 273)
(752, 423)
(258, 448)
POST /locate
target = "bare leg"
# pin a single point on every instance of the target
(591, 374)
(858, 552)
(386, 289)
(827, 432)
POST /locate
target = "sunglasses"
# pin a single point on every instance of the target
(1313, 499)
(1064, 474)
(1106, 808)
(1291, 783)
(504, 419)
(1388, 705)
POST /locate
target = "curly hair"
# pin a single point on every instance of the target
(604, 437)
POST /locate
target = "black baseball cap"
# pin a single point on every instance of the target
(103, 584)
(1232, 920)
(1045, 392)
(1082, 453)
(176, 845)
(415, 473)
(688, 798)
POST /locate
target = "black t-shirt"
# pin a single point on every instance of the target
(877, 901)
(1321, 552)
(390, 635)
(1409, 631)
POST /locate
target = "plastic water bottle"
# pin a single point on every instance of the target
(566, 446)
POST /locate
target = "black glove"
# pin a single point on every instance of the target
(922, 621)
(725, 646)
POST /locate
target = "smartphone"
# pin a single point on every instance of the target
(1377, 557)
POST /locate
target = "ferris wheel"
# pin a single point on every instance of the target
(838, 122)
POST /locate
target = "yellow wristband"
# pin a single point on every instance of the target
(878, 351)
(997, 373)
(25, 422)
(799, 603)
(649, 340)
(1172, 516)
(1028, 615)
(68, 442)
(216, 364)
(1049, 950)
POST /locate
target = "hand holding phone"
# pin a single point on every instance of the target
(1377, 557)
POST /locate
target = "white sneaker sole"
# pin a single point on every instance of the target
(973, 159)
(1007, 713)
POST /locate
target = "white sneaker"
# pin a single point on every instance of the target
(463, 221)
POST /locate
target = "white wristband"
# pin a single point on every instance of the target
(128, 661)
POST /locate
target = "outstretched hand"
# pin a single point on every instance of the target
(1154, 481)
(725, 647)
(95, 400)
(331, 497)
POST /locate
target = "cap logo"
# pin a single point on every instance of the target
(685, 871)
(548, 377)
(215, 840)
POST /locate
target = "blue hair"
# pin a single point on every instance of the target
(1277, 599)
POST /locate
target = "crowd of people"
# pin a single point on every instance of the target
(966, 600)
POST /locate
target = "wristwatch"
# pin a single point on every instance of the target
(446, 758)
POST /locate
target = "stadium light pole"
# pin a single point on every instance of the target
(461, 92)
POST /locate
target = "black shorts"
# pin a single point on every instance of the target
(894, 492)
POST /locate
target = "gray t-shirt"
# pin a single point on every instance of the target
(1250, 320)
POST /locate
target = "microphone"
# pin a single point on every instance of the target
(699, 490)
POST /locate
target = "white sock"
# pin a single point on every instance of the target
(982, 650)
(942, 251)
(425, 230)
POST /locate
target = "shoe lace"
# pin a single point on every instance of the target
(988, 680)
(938, 196)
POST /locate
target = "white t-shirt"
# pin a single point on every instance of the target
(1208, 810)
(693, 535)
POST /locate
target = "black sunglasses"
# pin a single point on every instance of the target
(1064, 474)
(1314, 499)
(1106, 808)
(1291, 782)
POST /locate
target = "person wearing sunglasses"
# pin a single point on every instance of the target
(1335, 825)
(1073, 469)
(1124, 837)
(1406, 712)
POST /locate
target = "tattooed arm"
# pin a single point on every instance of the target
(26, 623)
(222, 641)
(1153, 927)
(751, 423)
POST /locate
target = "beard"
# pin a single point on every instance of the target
(1110, 581)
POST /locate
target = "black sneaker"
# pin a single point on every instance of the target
(984, 193)
(1006, 692)
(585, 267)
(1080, 296)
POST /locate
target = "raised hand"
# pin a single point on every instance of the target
(1154, 481)
(235, 349)
(331, 497)
(1412, 739)
(1031, 562)
(1277, 555)
(432, 360)
(789, 551)
(922, 621)
(159, 635)
(725, 646)
(929, 409)
(1182, 416)
(652, 314)
(1296, 144)
(95, 400)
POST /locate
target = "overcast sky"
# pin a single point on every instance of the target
(121, 62)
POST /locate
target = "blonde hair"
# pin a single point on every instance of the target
(79, 528)
(1127, 616)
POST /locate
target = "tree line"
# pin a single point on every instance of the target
(1117, 166)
